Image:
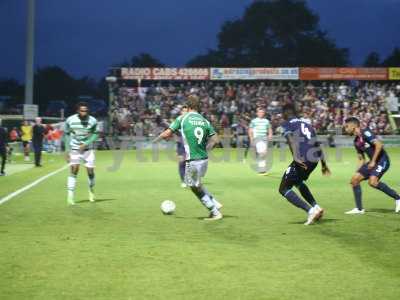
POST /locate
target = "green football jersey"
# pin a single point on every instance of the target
(195, 130)
(260, 127)
(80, 132)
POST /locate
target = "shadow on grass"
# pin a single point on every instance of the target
(381, 210)
(320, 222)
(202, 218)
(97, 200)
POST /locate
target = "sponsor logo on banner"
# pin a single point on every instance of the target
(230, 73)
(254, 73)
(136, 73)
(165, 73)
(394, 73)
(343, 74)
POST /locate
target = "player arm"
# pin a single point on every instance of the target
(324, 165)
(270, 133)
(174, 127)
(93, 137)
(214, 139)
(361, 158)
(378, 149)
(164, 135)
(67, 137)
(250, 133)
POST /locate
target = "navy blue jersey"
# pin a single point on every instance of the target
(180, 148)
(38, 134)
(3, 137)
(305, 139)
(364, 144)
(179, 138)
(241, 130)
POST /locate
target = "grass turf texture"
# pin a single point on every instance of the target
(123, 247)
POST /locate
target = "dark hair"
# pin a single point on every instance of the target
(353, 120)
(261, 108)
(193, 103)
(289, 108)
(80, 104)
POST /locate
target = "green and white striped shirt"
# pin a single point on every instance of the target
(80, 132)
(260, 127)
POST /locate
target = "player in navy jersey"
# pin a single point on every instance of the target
(180, 151)
(367, 144)
(306, 151)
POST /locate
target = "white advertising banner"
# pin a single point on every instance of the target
(31, 111)
(254, 73)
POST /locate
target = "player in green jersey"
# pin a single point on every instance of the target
(260, 132)
(198, 137)
(80, 133)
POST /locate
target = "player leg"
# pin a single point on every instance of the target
(194, 171)
(355, 181)
(216, 202)
(203, 171)
(246, 145)
(181, 169)
(3, 154)
(261, 154)
(37, 148)
(26, 150)
(74, 161)
(304, 190)
(291, 178)
(9, 154)
(374, 181)
(306, 194)
(285, 189)
(89, 158)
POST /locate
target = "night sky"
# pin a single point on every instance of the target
(86, 37)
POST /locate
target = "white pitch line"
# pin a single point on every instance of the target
(31, 185)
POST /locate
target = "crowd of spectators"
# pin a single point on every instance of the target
(231, 105)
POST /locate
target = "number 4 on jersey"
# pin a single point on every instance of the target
(305, 131)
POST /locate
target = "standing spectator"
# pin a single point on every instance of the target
(26, 137)
(37, 140)
(3, 149)
(392, 103)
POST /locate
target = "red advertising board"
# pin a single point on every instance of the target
(165, 73)
(343, 74)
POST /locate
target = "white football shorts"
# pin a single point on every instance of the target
(194, 171)
(87, 158)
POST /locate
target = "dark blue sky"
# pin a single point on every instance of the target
(85, 37)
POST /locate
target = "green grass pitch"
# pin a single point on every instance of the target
(122, 247)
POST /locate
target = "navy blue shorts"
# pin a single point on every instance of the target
(295, 174)
(380, 168)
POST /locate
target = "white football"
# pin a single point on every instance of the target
(168, 207)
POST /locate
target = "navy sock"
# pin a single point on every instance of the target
(182, 170)
(296, 200)
(305, 192)
(357, 196)
(198, 191)
(387, 190)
